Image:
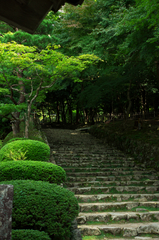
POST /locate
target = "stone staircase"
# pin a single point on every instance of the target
(117, 199)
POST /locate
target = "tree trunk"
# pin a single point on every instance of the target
(27, 121)
(16, 115)
(58, 113)
(69, 110)
(49, 112)
(16, 124)
(77, 114)
(129, 100)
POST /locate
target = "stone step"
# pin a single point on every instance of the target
(95, 161)
(123, 217)
(86, 207)
(94, 148)
(91, 156)
(98, 164)
(114, 161)
(96, 169)
(106, 173)
(125, 230)
(112, 183)
(135, 238)
(93, 164)
(115, 189)
(88, 153)
(118, 197)
(112, 178)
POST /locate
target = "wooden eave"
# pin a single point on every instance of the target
(28, 14)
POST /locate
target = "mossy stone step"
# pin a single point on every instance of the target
(103, 154)
(118, 197)
(90, 158)
(86, 207)
(106, 173)
(121, 217)
(93, 160)
(135, 238)
(68, 164)
(88, 154)
(112, 178)
(93, 165)
(95, 169)
(112, 183)
(125, 230)
(115, 189)
(108, 161)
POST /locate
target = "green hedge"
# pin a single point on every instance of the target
(43, 206)
(14, 139)
(25, 150)
(44, 171)
(27, 234)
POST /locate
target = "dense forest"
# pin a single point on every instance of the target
(83, 64)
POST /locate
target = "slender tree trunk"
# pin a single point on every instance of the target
(16, 124)
(49, 112)
(43, 113)
(92, 116)
(69, 104)
(63, 112)
(16, 115)
(58, 112)
(129, 100)
(27, 120)
(77, 114)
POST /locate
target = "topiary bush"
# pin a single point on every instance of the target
(14, 139)
(43, 206)
(27, 234)
(25, 150)
(34, 170)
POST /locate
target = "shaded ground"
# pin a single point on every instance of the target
(148, 132)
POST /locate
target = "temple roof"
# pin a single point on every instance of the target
(28, 14)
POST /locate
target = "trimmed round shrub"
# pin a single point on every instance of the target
(34, 170)
(27, 234)
(43, 206)
(15, 139)
(20, 138)
(25, 150)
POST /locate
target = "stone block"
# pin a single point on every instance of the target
(6, 204)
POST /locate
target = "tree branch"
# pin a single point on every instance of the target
(49, 86)
(31, 89)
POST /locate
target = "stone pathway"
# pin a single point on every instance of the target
(117, 199)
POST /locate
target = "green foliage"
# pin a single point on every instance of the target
(27, 234)
(14, 139)
(9, 138)
(43, 206)
(28, 150)
(16, 155)
(5, 128)
(34, 170)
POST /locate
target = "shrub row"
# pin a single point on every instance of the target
(27, 234)
(34, 170)
(43, 206)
